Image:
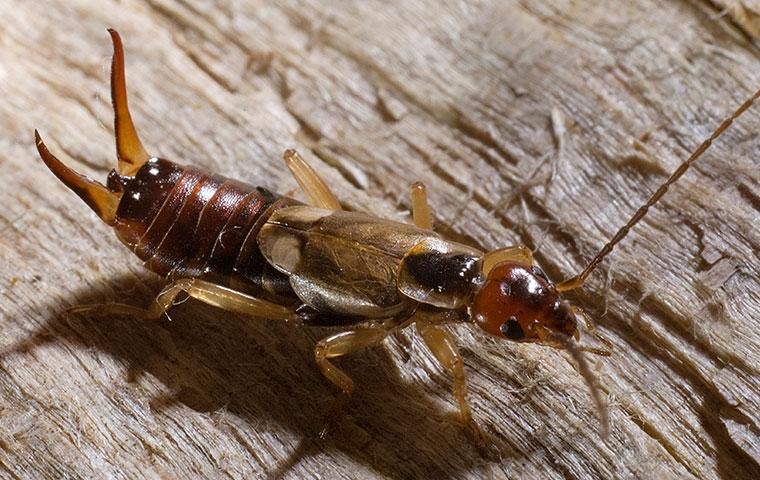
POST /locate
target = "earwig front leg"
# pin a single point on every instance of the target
(336, 346)
(445, 350)
(420, 207)
(317, 191)
(593, 331)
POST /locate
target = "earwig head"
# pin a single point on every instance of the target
(520, 303)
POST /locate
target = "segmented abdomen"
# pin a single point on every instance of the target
(184, 222)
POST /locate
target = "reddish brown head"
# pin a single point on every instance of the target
(520, 303)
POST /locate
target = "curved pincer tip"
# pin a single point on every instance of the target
(103, 201)
(129, 148)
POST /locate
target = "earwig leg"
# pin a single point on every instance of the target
(206, 292)
(442, 345)
(510, 254)
(593, 331)
(129, 148)
(218, 296)
(445, 350)
(336, 346)
(103, 309)
(596, 351)
(420, 207)
(317, 191)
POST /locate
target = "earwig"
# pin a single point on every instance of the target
(247, 250)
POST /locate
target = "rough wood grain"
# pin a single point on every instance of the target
(543, 123)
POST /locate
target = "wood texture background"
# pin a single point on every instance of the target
(542, 123)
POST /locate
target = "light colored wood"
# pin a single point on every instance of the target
(544, 123)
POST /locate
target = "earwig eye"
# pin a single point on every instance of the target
(512, 329)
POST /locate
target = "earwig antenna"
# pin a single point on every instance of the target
(579, 279)
(585, 372)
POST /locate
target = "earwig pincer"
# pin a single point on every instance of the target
(247, 250)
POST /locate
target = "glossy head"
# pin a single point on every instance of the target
(520, 303)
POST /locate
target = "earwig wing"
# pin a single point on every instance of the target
(340, 262)
(129, 148)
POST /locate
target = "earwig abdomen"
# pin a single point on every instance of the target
(183, 222)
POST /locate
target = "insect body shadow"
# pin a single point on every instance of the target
(263, 372)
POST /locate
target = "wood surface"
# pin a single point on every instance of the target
(543, 123)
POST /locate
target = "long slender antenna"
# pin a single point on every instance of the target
(579, 279)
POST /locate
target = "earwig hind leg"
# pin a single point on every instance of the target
(445, 351)
(317, 191)
(420, 207)
(206, 292)
(218, 296)
(336, 346)
(103, 309)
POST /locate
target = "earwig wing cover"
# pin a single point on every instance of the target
(340, 262)
(129, 148)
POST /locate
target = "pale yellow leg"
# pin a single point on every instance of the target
(222, 297)
(311, 183)
(336, 346)
(420, 207)
(206, 292)
(445, 350)
(578, 311)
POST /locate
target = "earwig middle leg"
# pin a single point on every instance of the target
(336, 346)
(311, 183)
